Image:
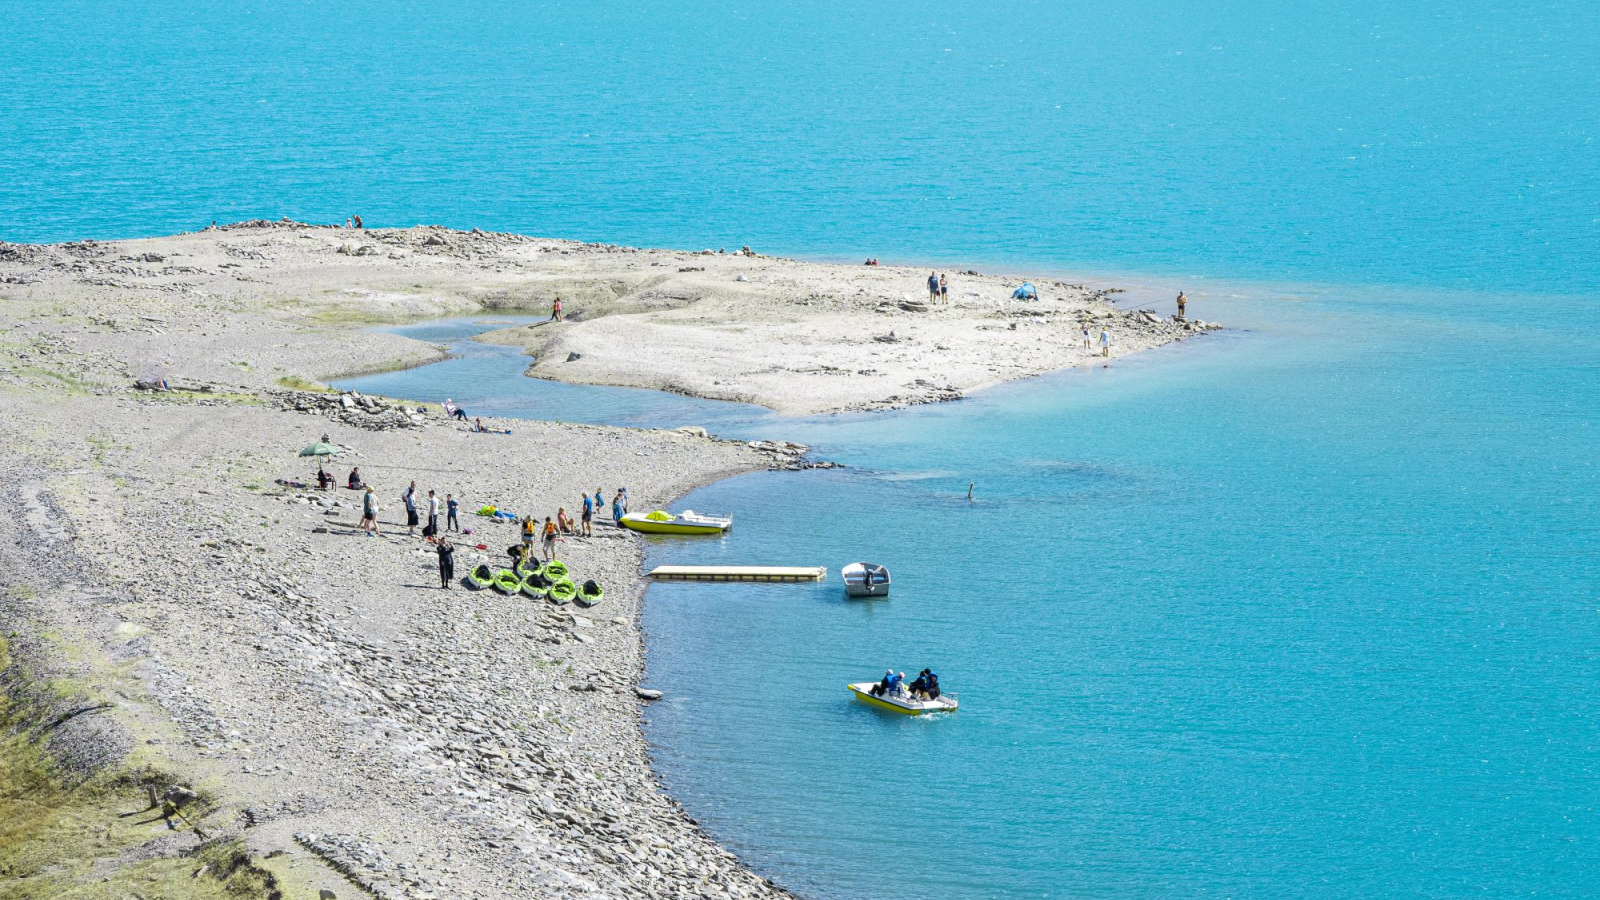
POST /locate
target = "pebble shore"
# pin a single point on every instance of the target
(377, 734)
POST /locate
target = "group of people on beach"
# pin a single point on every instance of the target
(938, 288)
(427, 509)
(925, 687)
(353, 222)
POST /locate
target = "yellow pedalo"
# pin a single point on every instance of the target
(905, 704)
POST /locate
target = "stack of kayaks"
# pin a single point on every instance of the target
(480, 577)
(563, 591)
(507, 582)
(590, 594)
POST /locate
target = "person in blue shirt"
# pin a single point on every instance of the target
(617, 509)
(588, 516)
(450, 507)
(882, 687)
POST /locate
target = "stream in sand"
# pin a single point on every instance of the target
(1304, 609)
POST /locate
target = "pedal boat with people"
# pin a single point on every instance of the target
(905, 704)
(686, 522)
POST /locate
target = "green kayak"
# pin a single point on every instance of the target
(506, 582)
(555, 570)
(534, 586)
(480, 578)
(590, 594)
(531, 567)
(562, 592)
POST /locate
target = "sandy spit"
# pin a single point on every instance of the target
(352, 716)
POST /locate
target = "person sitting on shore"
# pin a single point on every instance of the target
(453, 411)
(477, 425)
(564, 522)
(355, 479)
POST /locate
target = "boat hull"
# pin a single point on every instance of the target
(647, 527)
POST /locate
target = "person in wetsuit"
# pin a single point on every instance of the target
(447, 562)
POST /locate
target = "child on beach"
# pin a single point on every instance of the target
(944, 289)
(1087, 344)
(1105, 343)
(555, 311)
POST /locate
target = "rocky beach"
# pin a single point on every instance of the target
(195, 632)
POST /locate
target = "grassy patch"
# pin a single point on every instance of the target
(296, 383)
(65, 838)
(67, 381)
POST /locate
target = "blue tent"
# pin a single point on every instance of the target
(1026, 292)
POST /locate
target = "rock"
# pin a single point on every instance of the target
(913, 306)
(647, 693)
(693, 430)
(347, 401)
(517, 786)
(574, 356)
(326, 894)
(741, 278)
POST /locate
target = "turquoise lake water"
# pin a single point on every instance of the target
(1304, 609)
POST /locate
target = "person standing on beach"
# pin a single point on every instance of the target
(409, 498)
(450, 507)
(529, 527)
(616, 507)
(599, 502)
(447, 562)
(933, 287)
(555, 311)
(1087, 343)
(433, 515)
(586, 526)
(944, 289)
(369, 512)
(549, 539)
(1105, 343)
(1183, 304)
(357, 220)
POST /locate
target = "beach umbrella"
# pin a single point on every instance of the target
(320, 448)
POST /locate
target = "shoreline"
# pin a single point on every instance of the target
(348, 722)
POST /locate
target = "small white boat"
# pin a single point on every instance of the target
(864, 579)
(686, 522)
(902, 703)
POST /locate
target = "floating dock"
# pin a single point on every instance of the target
(739, 573)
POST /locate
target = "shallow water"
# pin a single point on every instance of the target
(1306, 609)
